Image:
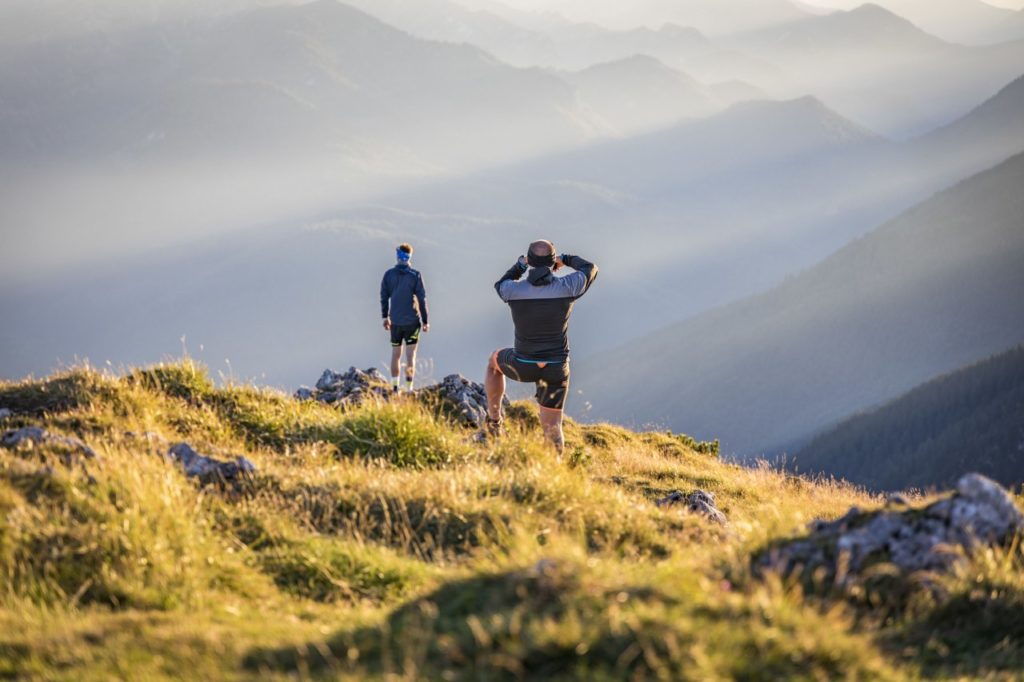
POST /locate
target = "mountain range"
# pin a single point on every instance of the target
(880, 69)
(928, 292)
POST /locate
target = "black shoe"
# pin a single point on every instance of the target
(492, 430)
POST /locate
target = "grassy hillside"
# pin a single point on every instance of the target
(381, 542)
(927, 293)
(969, 420)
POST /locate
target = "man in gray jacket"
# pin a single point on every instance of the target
(541, 306)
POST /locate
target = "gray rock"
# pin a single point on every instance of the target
(466, 399)
(5, 413)
(979, 513)
(349, 388)
(208, 469)
(699, 502)
(30, 436)
(983, 510)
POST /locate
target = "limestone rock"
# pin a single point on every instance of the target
(464, 398)
(348, 388)
(699, 502)
(208, 469)
(979, 513)
(30, 436)
(5, 413)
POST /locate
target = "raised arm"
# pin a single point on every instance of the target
(586, 272)
(511, 275)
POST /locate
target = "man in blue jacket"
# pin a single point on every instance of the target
(403, 305)
(541, 305)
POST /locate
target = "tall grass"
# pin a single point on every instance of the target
(381, 541)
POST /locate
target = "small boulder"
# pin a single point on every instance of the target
(935, 538)
(465, 399)
(5, 413)
(30, 436)
(348, 388)
(208, 469)
(699, 502)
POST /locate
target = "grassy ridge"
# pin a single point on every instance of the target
(380, 542)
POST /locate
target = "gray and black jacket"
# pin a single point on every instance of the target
(541, 305)
(403, 297)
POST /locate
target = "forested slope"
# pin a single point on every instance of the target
(968, 420)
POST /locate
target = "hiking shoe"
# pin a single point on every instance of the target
(492, 430)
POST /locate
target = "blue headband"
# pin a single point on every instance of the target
(402, 255)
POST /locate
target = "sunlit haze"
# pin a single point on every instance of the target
(230, 177)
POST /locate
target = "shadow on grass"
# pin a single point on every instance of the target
(535, 623)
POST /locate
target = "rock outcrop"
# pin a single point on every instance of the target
(463, 399)
(348, 388)
(5, 413)
(699, 502)
(979, 513)
(208, 469)
(31, 436)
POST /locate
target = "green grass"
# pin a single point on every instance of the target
(381, 542)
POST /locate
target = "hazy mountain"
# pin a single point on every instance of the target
(968, 420)
(663, 205)
(551, 41)
(447, 21)
(930, 291)
(990, 132)
(249, 118)
(640, 92)
(971, 22)
(713, 17)
(275, 78)
(713, 210)
(35, 21)
(883, 71)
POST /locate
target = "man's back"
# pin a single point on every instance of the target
(403, 296)
(541, 306)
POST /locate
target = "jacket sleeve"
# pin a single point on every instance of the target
(511, 275)
(385, 296)
(586, 272)
(421, 298)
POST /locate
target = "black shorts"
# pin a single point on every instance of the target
(404, 333)
(552, 379)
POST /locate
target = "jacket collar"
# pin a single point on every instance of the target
(540, 276)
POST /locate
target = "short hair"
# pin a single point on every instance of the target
(405, 247)
(542, 247)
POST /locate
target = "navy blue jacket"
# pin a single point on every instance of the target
(402, 296)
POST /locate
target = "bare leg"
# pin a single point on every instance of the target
(410, 362)
(494, 386)
(396, 361)
(551, 422)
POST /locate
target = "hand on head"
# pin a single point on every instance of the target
(542, 254)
